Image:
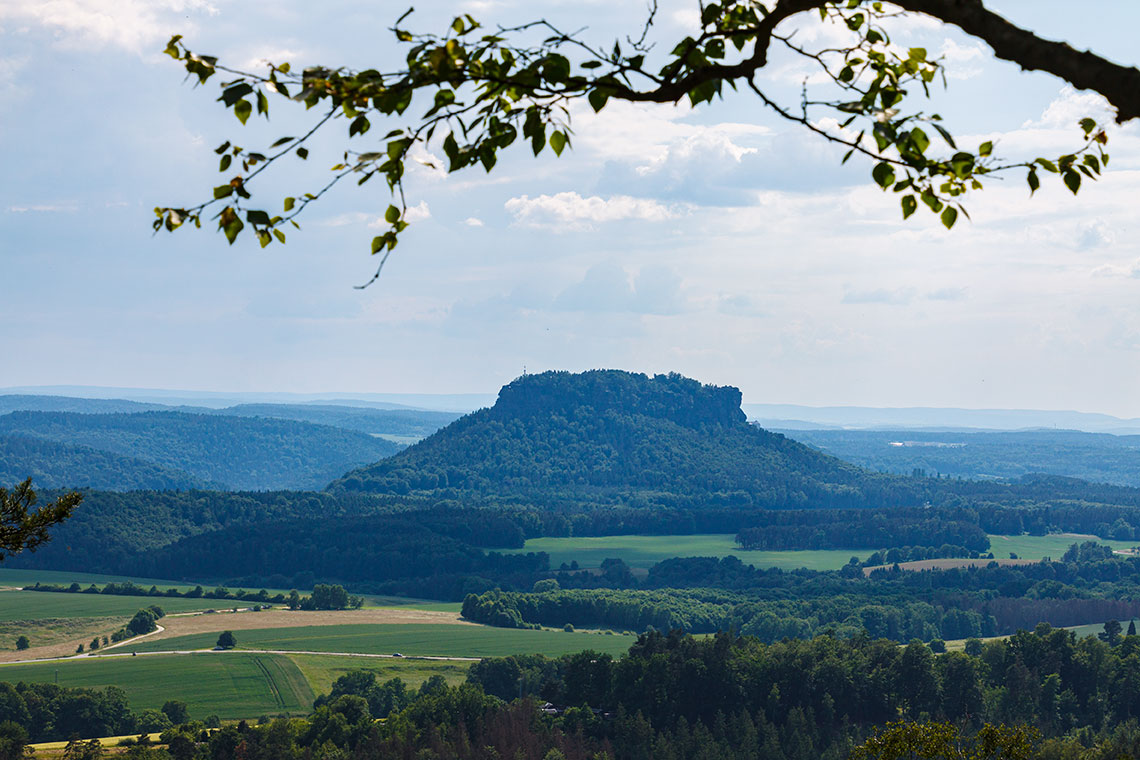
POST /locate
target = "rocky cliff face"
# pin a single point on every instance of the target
(669, 397)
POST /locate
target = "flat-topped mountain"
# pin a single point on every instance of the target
(607, 436)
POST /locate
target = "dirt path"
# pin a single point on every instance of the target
(277, 618)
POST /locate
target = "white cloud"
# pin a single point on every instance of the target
(472, 221)
(135, 25)
(570, 211)
(1069, 107)
(962, 61)
(893, 297)
(418, 213)
(43, 208)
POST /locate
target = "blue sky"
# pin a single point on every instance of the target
(720, 243)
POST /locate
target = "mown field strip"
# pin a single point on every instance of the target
(646, 551)
(642, 552)
(231, 686)
(320, 670)
(38, 605)
(408, 639)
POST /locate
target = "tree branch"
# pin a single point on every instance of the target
(1082, 69)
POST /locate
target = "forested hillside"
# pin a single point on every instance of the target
(57, 465)
(238, 453)
(609, 436)
(1090, 456)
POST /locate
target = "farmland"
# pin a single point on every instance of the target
(32, 605)
(320, 670)
(642, 552)
(645, 551)
(418, 639)
(235, 685)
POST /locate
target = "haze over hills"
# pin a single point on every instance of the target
(796, 417)
(1097, 457)
(770, 415)
(447, 402)
(232, 452)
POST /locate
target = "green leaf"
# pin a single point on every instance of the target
(242, 110)
(378, 243)
(225, 162)
(591, 64)
(223, 191)
(883, 174)
(358, 126)
(1047, 165)
(1088, 125)
(558, 141)
(262, 104)
(282, 141)
(279, 235)
(949, 216)
(232, 229)
(917, 54)
(985, 148)
(232, 95)
(256, 216)
(1072, 180)
(909, 205)
(597, 99)
(302, 153)
(392, 215)
(919, 139)
(289, 203)
(945, 135)
(1033, 180)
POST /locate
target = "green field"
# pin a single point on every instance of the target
(1036, 547)
(643, 552)
(411, 639)
(13, 577)
(230, 686)
(646, 551)
(322, 669)
(38, 605)
(373, 601)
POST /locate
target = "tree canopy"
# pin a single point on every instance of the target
(483, 89)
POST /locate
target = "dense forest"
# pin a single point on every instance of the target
(673, 697)
(235, 453)
(704, 595)
(977, 455)
(52, 464)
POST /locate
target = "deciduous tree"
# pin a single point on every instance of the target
(477, 90)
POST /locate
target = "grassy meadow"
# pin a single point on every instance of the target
(417, 639)
(231, 686)
(1054, 546)
(645, 551)
(320, 670)
(36, 605)
(642, 552)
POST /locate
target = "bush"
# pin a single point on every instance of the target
(22, 643)
(226, 640)
(568, 628)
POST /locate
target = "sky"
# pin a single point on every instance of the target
(721, 242)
